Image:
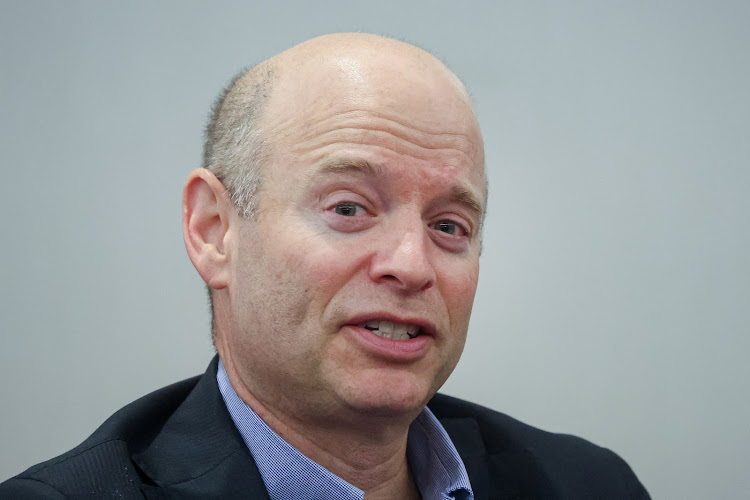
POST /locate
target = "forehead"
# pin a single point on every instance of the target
(391, 108)
(413, 88)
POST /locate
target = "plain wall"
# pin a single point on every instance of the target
(614, 298)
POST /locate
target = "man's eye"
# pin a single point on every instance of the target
(346, 209)
(446, 226)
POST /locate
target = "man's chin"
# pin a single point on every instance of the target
(396, 401)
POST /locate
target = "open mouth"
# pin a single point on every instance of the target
(391, 330)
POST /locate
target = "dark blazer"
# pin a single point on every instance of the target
(180, 442)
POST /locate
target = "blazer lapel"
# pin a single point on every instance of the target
(199, 453)
(498, 469)
(464, 432)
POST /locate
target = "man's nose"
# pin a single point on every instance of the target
(403, 260)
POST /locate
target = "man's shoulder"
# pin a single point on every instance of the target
(500, 429)
(103, 459)
(502, 432)
(555, 465)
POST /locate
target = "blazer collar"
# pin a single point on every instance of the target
(199, 453)
(498, 465)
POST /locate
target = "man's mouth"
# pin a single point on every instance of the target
(391, 330)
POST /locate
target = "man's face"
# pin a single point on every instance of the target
(369, 222)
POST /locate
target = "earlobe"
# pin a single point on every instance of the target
(206, 222)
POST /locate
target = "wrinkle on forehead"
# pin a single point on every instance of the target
(375, 128)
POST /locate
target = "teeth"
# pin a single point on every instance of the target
(386, 328)
(391, 330)
(400, 331)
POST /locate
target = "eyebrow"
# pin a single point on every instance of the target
(458, 194)
(354, 165)
(463, 196)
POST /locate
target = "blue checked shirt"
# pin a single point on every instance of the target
(288, 474)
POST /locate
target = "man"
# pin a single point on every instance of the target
(338, 227)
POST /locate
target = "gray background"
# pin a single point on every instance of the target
(613, 299)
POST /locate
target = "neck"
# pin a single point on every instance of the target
(370, 455)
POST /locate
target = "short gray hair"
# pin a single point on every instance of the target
(234, 149)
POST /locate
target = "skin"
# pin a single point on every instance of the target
(371, 207)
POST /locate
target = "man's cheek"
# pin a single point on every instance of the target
(321, 270)
(459, 297)
(462, 286)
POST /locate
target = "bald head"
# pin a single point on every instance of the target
(354, 53)
(340, 73)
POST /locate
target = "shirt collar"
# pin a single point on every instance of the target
(435, 464)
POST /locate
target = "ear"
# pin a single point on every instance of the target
(206, 220)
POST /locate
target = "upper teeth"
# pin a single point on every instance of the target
(391, 330)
